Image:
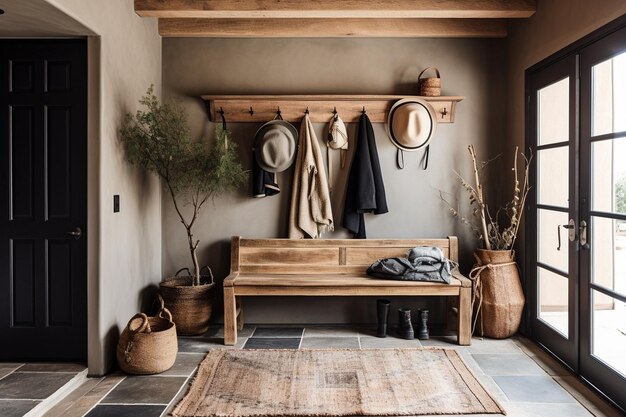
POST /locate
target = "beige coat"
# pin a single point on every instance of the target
(311, 213)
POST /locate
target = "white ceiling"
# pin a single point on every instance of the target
(37, 19)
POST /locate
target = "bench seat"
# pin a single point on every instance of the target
(269, 267)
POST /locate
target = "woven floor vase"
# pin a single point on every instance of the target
(502, 293)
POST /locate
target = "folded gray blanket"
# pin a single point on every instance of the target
(423, 263)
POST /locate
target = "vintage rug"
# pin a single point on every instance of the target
(343, 382)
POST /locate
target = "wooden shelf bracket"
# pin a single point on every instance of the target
(262, 108)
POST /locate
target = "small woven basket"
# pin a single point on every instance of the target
(148, 345)
(429, 87)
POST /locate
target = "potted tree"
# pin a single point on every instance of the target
(498, 293)
(158, 139)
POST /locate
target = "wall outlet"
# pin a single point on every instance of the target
(116, 203)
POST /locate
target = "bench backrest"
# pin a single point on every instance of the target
(324, 256)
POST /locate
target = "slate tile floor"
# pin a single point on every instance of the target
(24, 386)
(526, 380)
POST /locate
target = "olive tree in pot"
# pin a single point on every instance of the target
(158, 139)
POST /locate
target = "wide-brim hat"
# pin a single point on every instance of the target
(411, 124)
(275, 145)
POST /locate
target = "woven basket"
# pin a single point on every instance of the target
(429, 87)
(502, 293)
(148, 345)
(190, 304)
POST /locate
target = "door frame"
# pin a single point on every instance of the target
(573, 49)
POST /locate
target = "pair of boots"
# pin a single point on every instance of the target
(405, 328)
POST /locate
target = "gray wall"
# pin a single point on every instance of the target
(471, 68)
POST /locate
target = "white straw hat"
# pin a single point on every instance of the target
(275, 145)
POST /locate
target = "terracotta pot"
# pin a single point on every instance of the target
(502, 293)
(189, 304)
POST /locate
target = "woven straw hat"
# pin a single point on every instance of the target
(275, 145)
(411, 124)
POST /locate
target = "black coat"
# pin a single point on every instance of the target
(365, 192)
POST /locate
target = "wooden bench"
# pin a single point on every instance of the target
(331, 267)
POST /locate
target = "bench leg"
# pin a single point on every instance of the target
(230, 317)
(240, 313)
(464, 327)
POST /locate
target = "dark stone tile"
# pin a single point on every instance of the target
(278, 332)
(218, 332)
(53, 367)
(204, 344)
(330, 343)
(16, 408)
(145, 390)
(185, 364)
(33, 386)
(533, 389)
(507, 364)
(126, 411)
(272, 343)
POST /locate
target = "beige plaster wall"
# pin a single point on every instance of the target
(124, 247)
(471, 68)
(557, 24)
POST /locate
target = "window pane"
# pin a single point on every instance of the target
(609, 175)
(608, 263)
(554, 112)
(548, 224)
(609, 331)
(609, 96)
(553, 176)
(553, 297)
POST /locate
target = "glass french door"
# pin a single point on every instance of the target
(577, 211)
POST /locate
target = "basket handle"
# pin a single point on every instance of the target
(181, 270)
(163, 313)
(144, 327)
(208, 268)
(426, 69)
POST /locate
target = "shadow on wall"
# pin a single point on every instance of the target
(147, 300)
(110, 343)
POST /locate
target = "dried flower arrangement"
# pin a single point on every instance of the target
(497, 232)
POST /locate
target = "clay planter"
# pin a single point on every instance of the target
(189, 304)
(502, 294)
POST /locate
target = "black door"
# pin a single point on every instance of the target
(43, 199)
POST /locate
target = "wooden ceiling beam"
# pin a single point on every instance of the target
(349, 9)
(325, 28)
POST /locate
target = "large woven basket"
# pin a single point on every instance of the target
(191, 305)
(148, 345)
(431, 86)
(502, 293)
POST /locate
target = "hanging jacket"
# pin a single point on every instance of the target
(366, 191)
(263, 182)
(310, 214)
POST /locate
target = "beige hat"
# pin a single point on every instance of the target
(411, 124)
(275, 145)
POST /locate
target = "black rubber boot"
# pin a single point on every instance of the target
(382, 307)
(405, 328)
(422, 334)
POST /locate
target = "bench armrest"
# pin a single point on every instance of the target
(229, 281)
(465, 282)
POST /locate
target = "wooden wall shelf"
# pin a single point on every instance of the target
(261, 108)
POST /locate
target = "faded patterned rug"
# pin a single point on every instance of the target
(345, 382)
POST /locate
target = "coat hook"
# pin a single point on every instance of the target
(278, 111)
(363, 111)
(335, 110)
(221, 111)
(444, 112)
(307, 110)
(251, 111)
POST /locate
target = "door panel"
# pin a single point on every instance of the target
(552, 263)
(603, 203)
(43, 122)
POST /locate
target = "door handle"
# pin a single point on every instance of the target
(76, 233)
(571, 226)
(582, 233)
